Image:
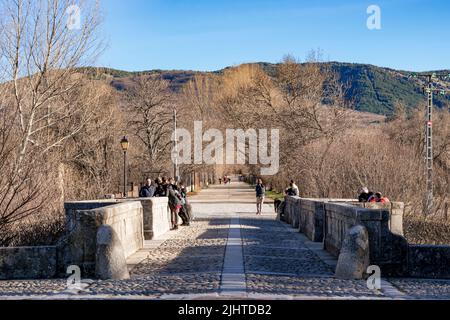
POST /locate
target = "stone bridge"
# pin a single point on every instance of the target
(229, 252)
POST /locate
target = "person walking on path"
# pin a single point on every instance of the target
(260, 196)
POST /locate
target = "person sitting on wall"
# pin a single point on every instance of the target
(364, 195)
(293, 190)
(147, 191)
(378, 198)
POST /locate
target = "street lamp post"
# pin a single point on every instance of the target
(176, 172)
(125, 144)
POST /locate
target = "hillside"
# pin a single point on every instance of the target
(371, 88)
(377, 90)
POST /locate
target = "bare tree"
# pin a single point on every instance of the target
(313, 103)
(91, 158)
(150, 106)
(199, 96)
(198, 99)
(305, 101)
(40, 54)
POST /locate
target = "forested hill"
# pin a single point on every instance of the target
(377, 90)
(371, 88)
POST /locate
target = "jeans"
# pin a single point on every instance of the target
(259, 204)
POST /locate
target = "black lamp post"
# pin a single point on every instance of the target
(176, 173)
(125, 144)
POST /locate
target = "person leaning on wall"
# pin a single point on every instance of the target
(147, 191)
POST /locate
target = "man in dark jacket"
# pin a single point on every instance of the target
(161, 188)
(187, 209)
(293, 190)
(364, 195)
(147, 191)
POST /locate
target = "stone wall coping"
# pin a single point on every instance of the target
(106, 203)
(322, 199)
(392, 204)
(356, 212)
(98, 205)
(94, 201)
(89, 205)
(330, 200)
(113, 209)
(27, 248)
(155, 200)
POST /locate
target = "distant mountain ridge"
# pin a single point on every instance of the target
(371, 88)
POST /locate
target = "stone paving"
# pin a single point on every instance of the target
(269, 248)
(306, 285)
(423, 288)
(31, 287)
(193, 263)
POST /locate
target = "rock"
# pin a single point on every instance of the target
(110, 263)
(354, 255)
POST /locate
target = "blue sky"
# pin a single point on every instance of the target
(212, 34)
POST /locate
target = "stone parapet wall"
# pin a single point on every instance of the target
(396, 210)
(429, 261)
(306, 215)
(329, 221)
(387, 250)
(309, 223)
(132, 220)
(156, 217)
(24, 263)
(84, 219)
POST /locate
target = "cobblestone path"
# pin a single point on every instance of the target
(229, 252)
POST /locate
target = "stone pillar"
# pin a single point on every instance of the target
(396, 218)
(354, 256)
(110, 260)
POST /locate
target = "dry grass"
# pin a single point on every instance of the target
(427, 230)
